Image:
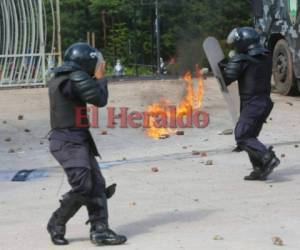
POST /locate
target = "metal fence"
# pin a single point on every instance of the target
(30, 43)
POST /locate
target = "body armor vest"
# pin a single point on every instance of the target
(65, 113)
(256, 78)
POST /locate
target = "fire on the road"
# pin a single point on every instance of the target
(161, 110)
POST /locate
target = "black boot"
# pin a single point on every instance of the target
(255, 175)
(269, 162)
(262, 165)
(100, 234)
(56, 227)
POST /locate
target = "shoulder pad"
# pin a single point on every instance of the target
(239, 58)
(67, 67)
(258, 51)
(84, 85)
(243, 58)
(79, 76)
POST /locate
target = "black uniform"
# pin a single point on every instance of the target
(252, 68)
(74, 148)
(256, 104)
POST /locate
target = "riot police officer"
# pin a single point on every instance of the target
(251, 66)
(78, 82)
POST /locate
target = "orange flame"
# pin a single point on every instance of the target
(160, 112)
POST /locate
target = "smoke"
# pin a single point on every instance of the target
(190, 53)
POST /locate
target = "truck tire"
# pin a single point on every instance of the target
(285, 82)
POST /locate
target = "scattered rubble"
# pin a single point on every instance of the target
(277, 241)
(162, 137)
(209, 163)
(200, 153)
(20, 117)
(203, 154)
(180, 133)
(227, 132)
(154, 169)
(218, 237)
(11, 150)
(195, 152)
(132, 204)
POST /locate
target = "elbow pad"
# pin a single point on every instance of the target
(234, 69)
(85, 87)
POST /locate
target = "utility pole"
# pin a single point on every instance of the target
(157, 31)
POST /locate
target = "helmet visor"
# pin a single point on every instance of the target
(100, 66)
(100, 59)
(233, 36)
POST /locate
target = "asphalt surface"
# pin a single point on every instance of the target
(184, 192)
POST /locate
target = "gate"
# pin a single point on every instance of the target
(30, 44)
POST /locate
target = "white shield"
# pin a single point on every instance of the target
(215, 55)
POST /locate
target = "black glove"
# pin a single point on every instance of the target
(223, 65)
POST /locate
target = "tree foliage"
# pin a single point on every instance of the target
(126, 28)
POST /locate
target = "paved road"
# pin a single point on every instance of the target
(187, 204)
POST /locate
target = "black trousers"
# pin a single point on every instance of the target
(254, 113)
(84, 176)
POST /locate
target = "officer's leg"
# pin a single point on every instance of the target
(245, 136)
(262, 159)
(81, 183)
(98, 210)
(252, 118)
(100, 234)
(75, 161)
(246, 132)
(256, 163)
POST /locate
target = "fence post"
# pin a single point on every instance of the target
(58, 31)
(42, 41)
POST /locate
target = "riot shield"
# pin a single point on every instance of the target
(215, 55)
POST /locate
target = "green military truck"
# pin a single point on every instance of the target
(279, 23)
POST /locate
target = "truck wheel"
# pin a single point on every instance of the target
(283, 73)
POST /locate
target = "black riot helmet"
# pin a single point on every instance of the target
(85, 56)
(245, 39)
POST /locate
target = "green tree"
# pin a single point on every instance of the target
(125, 28)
